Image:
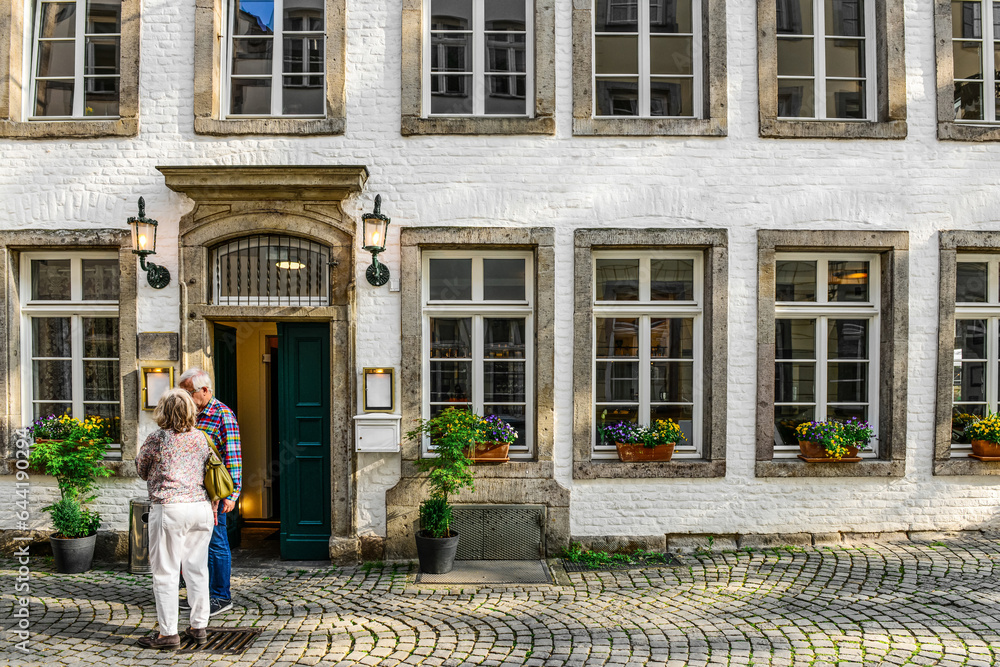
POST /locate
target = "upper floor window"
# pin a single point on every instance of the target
(647, 58)
(826, 52)
(975, 31)
(75, 59)
(263, 270)
(477, 58)
(276, 58)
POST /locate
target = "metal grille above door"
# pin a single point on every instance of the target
(499, 532)
(271, 270)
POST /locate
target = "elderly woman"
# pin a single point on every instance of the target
(181, 518)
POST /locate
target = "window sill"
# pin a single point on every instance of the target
(514, 469)
(831, 129)
(648, 470)
(120, 469)
(415, 125)
(954, 131)
(69, 129)
(799, 468)
(280, 126)
(640, 127)
(967, 466)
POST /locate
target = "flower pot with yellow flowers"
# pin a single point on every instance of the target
(985, 437)
(826, 441)
(635, 442)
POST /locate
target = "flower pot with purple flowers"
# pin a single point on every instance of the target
(635, 442)
(833, 441)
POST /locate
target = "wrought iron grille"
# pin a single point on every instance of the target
(499, 532)
(271, 270)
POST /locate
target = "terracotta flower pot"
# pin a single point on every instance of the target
(815, 450)
(489, 452)
(985, 448)
(638, 452)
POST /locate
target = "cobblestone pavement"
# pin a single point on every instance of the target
(931, 603)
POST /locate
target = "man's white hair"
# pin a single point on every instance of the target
(198, 378)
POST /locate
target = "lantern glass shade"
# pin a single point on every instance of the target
(143, 236)
(375, 232)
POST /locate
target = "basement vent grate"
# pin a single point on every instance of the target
(499, 532)
(221, 641)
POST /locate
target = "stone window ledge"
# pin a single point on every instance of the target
(798, 468)
(948, 131)
(416, 125)
(69, 129)
(648, 469)
(513, 469)
(639, 127)
(119, 469)
(271, 126)
(970, 466)
(831, 129)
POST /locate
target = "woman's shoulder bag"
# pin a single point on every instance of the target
(218, 481)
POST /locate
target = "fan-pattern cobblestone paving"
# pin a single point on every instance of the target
(932, 603)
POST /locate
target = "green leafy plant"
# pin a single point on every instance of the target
(435, 516)
(575, 553)
(835, 437)
(70, 519)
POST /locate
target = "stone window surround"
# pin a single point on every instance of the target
(209, 70)
(951, 244)
(13, 125)
(413, 120)
(12, 244)
(890, 75)
(893, 246)
(715, 244)
(715, 122)
(947, 127)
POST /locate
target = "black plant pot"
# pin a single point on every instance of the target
(436, 554)
(73, 554)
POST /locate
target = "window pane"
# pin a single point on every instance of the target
(503, 382)
(100, 97)
(506, 95)
(100, 279)
(109, 411)
(254, 17)
(970, 339)
(843, 413)
(52, 409)
(617, 279)
(848, 339)
(970, 282)
(252, 56)
(302, 54)
(669, 16)
(451, 94)
(681, 414)
(968, 101)
(672, 381)
(961, 416)
(617, 381)
(672, 338)
(847, 383)
(786, 418)
(102, 55)
(845, 99)
(513, 415)
(794, 382)
(848, 281)
(670, 55)
(503, 338)
(302, 15)
(451, 15)
(50, 279)
(251, 96)
(671, 279)
(57, 19)
(795, 57)
(616, 54)
(104, 16)
(450, 279)
(54, 98)
(451, 338)
(52, 380)
(796, 98)
(617, 97)
(968, 60)
(845, 18)
(795, 281)
(795, 339)
(612, 414)
(504, 15)
(967, 20)
(303, 95)
(616, 16)
(617, 337)
(970, 381)
(505, 53)
(794, 17)
(100, 380)
(451, 52)
(56, 58)
(503, 279)
(450, 381)
(100, 337)
(671, 97)
(845, 57)
(51, 337)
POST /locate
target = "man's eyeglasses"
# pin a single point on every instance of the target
(192, 392)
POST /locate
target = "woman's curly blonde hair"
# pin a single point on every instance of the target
(176, 411)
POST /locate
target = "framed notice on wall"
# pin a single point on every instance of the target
(379, 389)
(156, 381)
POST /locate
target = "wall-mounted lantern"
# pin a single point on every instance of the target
(144, 243)
(375, 227)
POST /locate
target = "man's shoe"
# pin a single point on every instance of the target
(199, 635)
(183, 603)
(217, 606)
(168, 643)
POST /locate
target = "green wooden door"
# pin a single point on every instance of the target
(304, 432)
(224, 365)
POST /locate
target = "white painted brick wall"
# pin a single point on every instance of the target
(741, 182)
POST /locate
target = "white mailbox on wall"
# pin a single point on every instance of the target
(376, 432)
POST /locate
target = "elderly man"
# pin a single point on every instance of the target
(218, 421)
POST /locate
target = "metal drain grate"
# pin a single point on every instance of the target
(221, 641)
(671, 561)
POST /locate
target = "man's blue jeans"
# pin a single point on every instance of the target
(220, 561)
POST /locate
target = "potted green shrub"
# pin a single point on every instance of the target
(496, 437)
(821, 441)
(451, 432)
(75, 460)
(635, 442)
(984, 435)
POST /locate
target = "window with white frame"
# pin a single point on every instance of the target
(271, 270)
(826, 59)
(478, 333)
(477, 60)
(648, 318)
(975, 35)
(69, 328)
(75, 59)
(275, 58)
(647, 58)
(825, 342)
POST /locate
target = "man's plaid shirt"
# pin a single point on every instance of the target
(219, 422)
